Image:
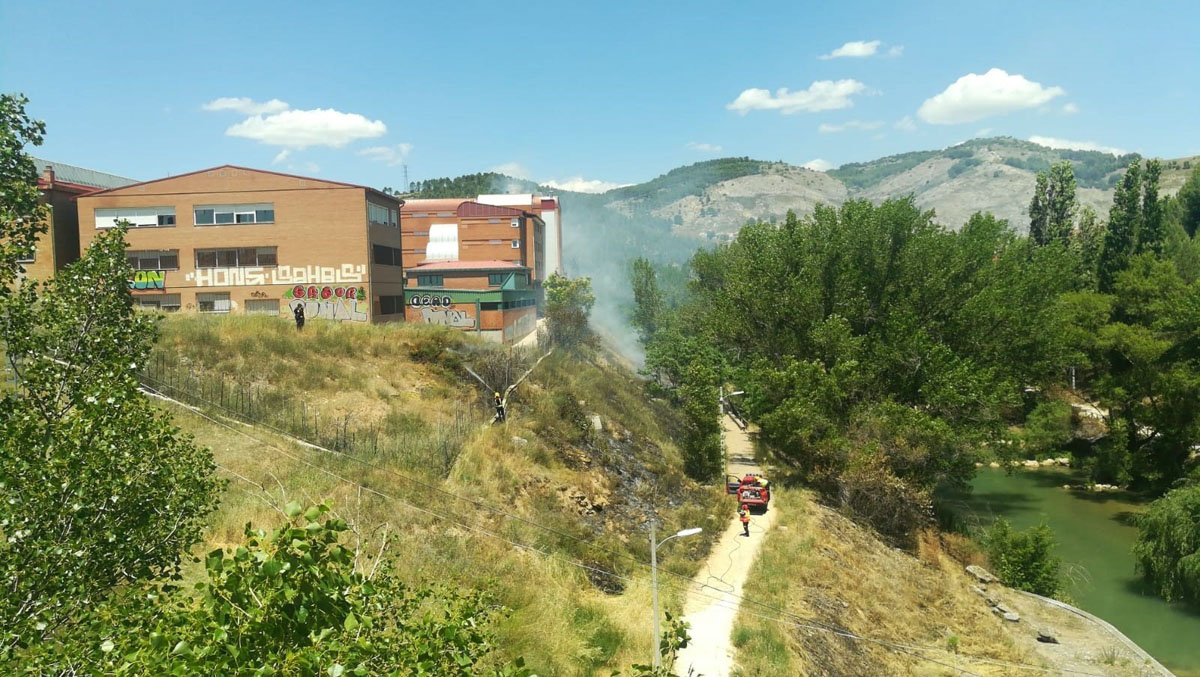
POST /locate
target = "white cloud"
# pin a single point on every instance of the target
(246, 105)
(1067, 144)
(281, 156)
(389, 155)
(704, 147)
(512, 169)
(906, 124)
(1070, 109)
(975, 97)
(986, 131)
(821, 95)
(855, 49)
(826, 128)
(579, 184)
(895, 51)
(818, 165)
(300, 129)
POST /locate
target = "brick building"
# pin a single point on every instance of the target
(238, 240)
(550, 211)
(494, 299)
(59, 185)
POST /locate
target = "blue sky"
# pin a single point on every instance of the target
(579, 92)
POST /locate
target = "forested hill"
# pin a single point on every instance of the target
(709, 199)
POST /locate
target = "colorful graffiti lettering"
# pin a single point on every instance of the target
(346, 304)
(148, 279)
(267, 275)
(448, 317)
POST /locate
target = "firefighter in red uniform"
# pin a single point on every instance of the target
(744, 515)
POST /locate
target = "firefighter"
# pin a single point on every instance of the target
(744, 515)
(298, 312)
(499, 407)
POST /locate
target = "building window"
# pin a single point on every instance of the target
(493, 220)
(516, 244)
(420, 233)
(420, 215)
(430, 281)
(28, 258)
(445, 213)
(165, 302)
(166, 259)
(378, 214)
(217, 302)
(497, 279)
(262, 306)
(390, 305)
(221, 215)
(138, 217)
(243, 257)
(387, 256)
(515, 223)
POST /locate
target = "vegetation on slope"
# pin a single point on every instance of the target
(549, 465)
(471, 185)
(880, 353)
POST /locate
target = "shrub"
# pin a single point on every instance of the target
(1024, 559)
(1168, 546)
(1048, 427)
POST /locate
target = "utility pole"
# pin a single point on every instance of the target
(654, 594)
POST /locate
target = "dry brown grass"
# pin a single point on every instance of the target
(829, 570)
(563, 622)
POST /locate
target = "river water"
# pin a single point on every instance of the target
(1094, 537)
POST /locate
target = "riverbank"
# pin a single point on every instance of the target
(1095, 535)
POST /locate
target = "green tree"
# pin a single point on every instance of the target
(1088, 242)
(22, 216)
(1047, 427)
(1152, 235)
(647, 298)
(97, 488)
(569, 301)
(702, 454)
(289, 601)
(1024, 559)
(1168, 546)
(1124, 222)
(1189, 201)
(1052, 209)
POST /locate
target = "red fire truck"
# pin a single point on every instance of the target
(753, 490)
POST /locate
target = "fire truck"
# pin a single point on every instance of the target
(753, 490)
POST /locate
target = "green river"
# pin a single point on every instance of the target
(1094, 540)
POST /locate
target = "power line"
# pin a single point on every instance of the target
(811, 625)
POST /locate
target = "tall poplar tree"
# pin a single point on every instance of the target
(1124, 222)
(1052, 210)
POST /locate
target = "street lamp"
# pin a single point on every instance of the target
(654, 583)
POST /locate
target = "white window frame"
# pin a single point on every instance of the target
(138, 217)
(144, 253)
(516, 244)
(248, 304)
(234, 211)
(215, 298)
(515, 223)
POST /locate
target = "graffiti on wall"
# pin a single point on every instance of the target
(449, 317)
(148, 279)
(347, 273)
(346, 304)
(428, 301)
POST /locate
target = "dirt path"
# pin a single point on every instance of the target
(710, 651)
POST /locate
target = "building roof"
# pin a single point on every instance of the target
(82, 177)
(471, 208)
(494, 264)
(374, 191)
(441, 204)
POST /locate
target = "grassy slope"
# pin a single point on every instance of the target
(564, 622)
(826, 568)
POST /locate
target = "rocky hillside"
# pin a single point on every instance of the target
(995, 174)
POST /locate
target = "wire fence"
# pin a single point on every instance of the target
(406, 440)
